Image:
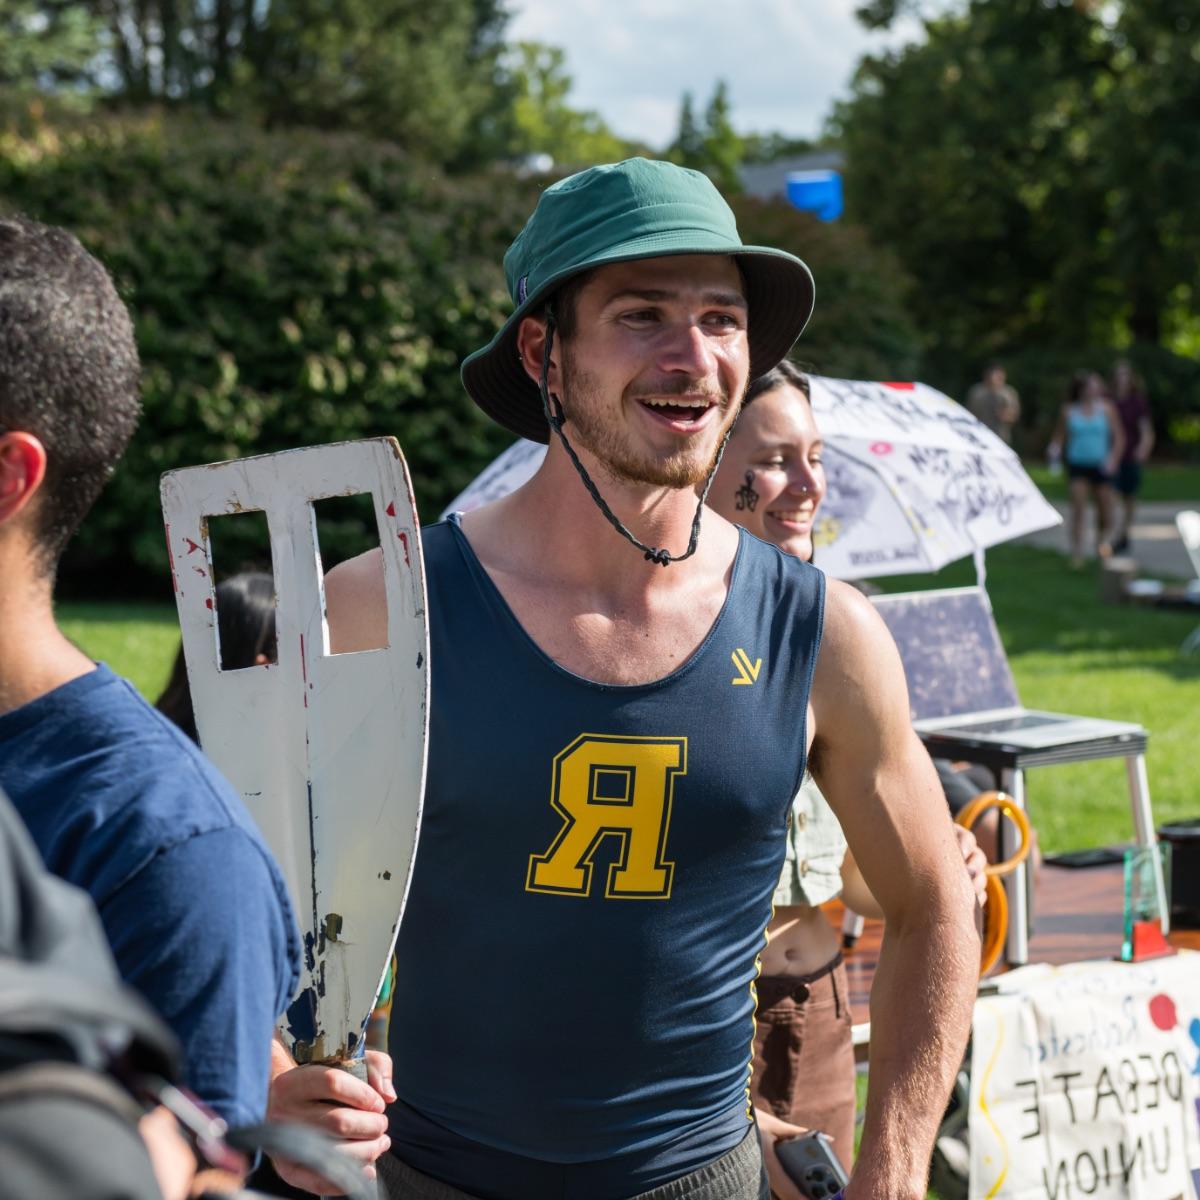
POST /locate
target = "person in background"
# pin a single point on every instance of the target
(118, 802)
(1088, 437)
(1133, 409)
(995, 403)
(771, 482)
(246, 626)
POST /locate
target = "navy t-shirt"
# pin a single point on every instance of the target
(123, 805)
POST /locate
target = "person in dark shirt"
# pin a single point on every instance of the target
(1133, 411)
(118, 801)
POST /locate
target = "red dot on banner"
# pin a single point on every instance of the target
(1162, 1012)
(881, 448)
(391, 509)
(900, 387)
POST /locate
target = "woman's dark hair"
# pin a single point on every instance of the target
(246, 625)
(1078, 385)
(787, 374)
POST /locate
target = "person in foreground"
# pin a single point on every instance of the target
(118, 801)
(772, 482)
(616, 736)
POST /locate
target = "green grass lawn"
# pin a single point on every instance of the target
(1161, 481)
(1068, 652)
(138, 641)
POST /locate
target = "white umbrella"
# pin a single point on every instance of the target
(915, 481)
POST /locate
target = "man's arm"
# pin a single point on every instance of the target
(356, 604)
(881, 783)
(1117, 434)
(856, 894)
(1012, 406)
(1145, 439)
(201, 933)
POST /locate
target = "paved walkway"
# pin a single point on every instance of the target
(1155, 542)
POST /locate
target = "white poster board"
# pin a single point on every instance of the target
(1084, 1083)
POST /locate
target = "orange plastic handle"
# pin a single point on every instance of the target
(995, 913)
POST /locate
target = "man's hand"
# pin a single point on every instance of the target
(975, 860)
(771, 1130)
(333, 1101)
(170, 1155)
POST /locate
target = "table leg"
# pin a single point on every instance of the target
(1016, 884)
(1143, 825)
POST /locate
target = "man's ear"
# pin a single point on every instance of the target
(22, 469)
(531, 345)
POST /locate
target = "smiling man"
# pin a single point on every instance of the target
(615, 747)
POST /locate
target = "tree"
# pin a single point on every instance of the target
(428, 77)
(544, 123)
(46, 47)
(1034, 167)
(713, 147)
(688, 148)
(771, 147)
(722, 145)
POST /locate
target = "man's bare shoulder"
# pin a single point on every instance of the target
(858, 668)
(852, 627)
(356, 604)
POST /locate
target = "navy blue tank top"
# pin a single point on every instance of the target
(594, 879)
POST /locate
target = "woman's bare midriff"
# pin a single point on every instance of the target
(801, 940)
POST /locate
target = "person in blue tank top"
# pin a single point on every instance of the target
(1089, 437)
(626, 692)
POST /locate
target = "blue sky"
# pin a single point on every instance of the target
(785, 61)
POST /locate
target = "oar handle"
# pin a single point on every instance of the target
(352, 1066)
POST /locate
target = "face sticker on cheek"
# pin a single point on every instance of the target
(746, 497)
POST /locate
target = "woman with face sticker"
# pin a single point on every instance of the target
(772, 482)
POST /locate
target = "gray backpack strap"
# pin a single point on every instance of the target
(71, 1081)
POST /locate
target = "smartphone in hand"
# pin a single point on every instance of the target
(812, 1164)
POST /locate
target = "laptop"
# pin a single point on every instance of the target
(959, 681)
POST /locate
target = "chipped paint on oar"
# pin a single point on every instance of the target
(327, 750)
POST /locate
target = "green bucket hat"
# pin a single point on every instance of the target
(634, 209)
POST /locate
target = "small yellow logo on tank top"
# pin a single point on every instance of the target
(747, 671)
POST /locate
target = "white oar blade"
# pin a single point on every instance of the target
(327, 750)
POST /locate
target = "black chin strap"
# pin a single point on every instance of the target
(557, 419)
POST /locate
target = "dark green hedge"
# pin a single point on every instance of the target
(292, 288)
(288, 289)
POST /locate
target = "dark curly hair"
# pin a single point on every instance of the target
(68, 371)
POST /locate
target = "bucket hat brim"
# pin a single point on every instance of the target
(779, 295)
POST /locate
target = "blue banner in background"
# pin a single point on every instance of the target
(817, 192)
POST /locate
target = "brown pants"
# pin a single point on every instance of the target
(803, 1053)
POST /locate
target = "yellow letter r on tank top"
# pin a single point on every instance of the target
(612, 786)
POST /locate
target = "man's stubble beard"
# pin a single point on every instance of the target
(609, 443)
